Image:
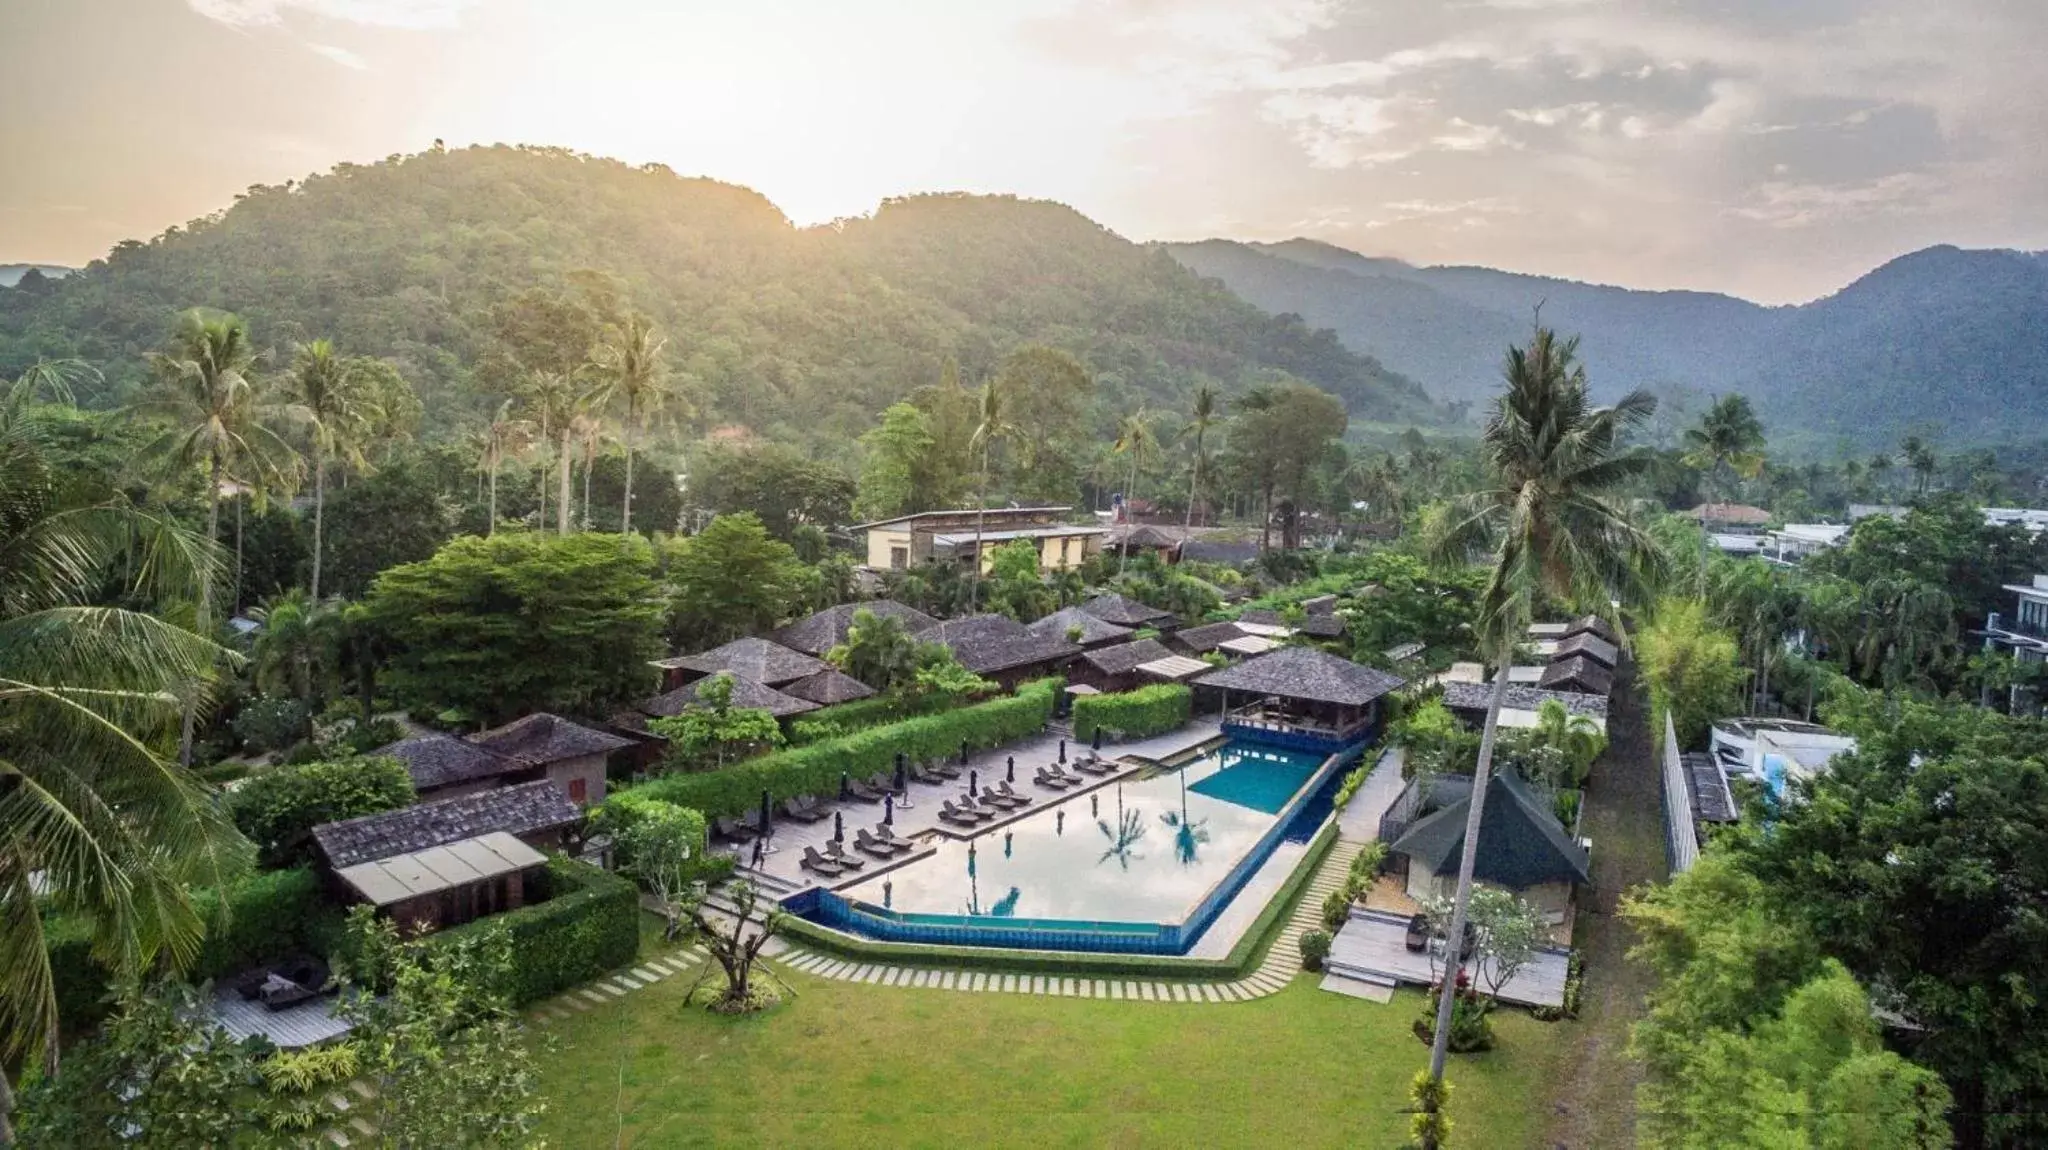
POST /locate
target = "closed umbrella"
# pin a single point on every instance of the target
(1063, 752)
(973, 782)
(1059, 822)
(1096, 742)
(767, 815)
(888, 893)
(888, 810)
(963, 752)
(838, 827)
(902, 775)
(1012, 776)
(845, 787)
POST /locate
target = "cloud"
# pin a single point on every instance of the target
(412, 15)
(1783, 204)
(341, 56)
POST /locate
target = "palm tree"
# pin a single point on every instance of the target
(294, 648)
(1379, 484)
(1554, 528)
(1880, 469)
(1728, 441)
(1133, 438)
(93, 821)
(629, 372)
(589, 431)
(328, 396)
(992, 424)
(1203, 417)
(503, 436)
(1921, 460)
(219, 418)
(550, 398)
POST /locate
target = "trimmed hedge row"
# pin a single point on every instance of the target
(843, 719)
(589, 925)
(1147, 711)
(815, 769)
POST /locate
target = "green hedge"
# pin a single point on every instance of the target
(1146, 711)
(589, 925)
(845, 718)
(815, 769)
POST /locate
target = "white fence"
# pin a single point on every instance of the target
(1681, 832)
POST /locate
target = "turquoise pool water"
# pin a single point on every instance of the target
(1144, 851)
(1774, 776)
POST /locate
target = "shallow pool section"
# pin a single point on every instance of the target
(1138, 866)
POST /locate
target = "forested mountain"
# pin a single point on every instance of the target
(1943, 339)
(802, 335)
(11, 274)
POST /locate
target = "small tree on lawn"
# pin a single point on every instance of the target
(1431, 1126)
(662, 842)
(1509, 931)
(712, 731)
(737, 947)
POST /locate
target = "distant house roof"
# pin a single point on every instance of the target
(1521, 843)
(989, 644)
(1124, 658)
(1320, 605)
(1305, 673)
(1592, 624)
(529, 808)
(1733, 514)
(825, 630)
(992, 535)
(1094, 631)
(1114, 608)
(1147, 535)
(996, 513)
(827, 688)
(1208, 636)
(745, 694)
(1224, 551)
(464, 862)
(1324, 624)
(1591, 645)
(753, 658)
(1174, 668)
(438, 760)
(1577, 673)
(541, 738)
(1250, 645)
(1707, 783)
(1475, 697)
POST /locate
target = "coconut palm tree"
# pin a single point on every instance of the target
(102, 825)
(1379, 483)
(629, 373)
(1553, 526)
(217, 417)
(991, 426)
(1201, 419)
(1921, 461)
(294, 650)
(550, 400)
(589, 430)
(504, 436)
(1133, 438)
(329, 397)
(1729, 441)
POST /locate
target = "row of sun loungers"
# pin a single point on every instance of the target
(881, 843)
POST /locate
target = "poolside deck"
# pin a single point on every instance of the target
(309, 1022)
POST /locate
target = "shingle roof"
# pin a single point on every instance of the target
(1305, 673)
(1476, 696)
(1318, 625)
(1708, 785)
(987, 644)
(1114, 608)
(827, 629)
(1222, 551)
(1577, 672)
(828, 687)
(770, 664)
(438, 760)
(522, 810)
(746, 694)
(1146, 535)
(1591, 646)
(1521, 843)
(541, 738)
(1125, 657)
(1739, 514)
(1093, 630)
(1208, 636)
(1594, 624)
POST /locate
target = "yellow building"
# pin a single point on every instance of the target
(949, 537)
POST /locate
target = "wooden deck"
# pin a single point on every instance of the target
(1373, 947)
(310, 1022)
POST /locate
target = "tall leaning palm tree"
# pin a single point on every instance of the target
(216, 416)
(94, 821)
(629, 373)
(330, 402)
(1553, 527)
(550, 401)
(504, 436)
(1200, 420)
(991, 426)
(1133, 438)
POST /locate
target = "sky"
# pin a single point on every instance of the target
(1774, 149)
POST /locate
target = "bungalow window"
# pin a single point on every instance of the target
(579, 789)
(899, 557)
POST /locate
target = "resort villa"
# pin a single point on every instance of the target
(539, 746)
(950, 536)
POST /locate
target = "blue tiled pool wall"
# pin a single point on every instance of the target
(1303, 740)
(1299, 825)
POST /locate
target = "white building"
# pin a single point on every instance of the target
(1767, 748)
(1796, 541)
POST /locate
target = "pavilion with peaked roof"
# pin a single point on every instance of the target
(1577, 673)
(828, 688)
(819, 633)
(1094, 632)
(1303, 698)
(572, 755)
(1000, 648)
(752, 658)
(1590, 645)
(746, 694)
(1115, 668)
(1522, 846)
(1111, 607)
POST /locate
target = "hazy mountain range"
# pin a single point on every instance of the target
(1944, 340)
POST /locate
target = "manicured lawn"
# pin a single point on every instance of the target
(859, 1065)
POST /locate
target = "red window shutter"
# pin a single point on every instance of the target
(577, 790)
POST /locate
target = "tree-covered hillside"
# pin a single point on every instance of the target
(802, 335)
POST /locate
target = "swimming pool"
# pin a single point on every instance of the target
(1139, 866)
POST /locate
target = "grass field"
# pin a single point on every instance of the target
(851, 1065)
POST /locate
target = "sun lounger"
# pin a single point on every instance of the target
(944, 770)
(886, 783)
(887, 835)
(862, 840)
(964, 815)
(1056, 782)
(1005, 790)
(812, 860)
(929, 778)
(805, 809)
(733, 829)
(1097, 767)
(837, 853)
(863, 792)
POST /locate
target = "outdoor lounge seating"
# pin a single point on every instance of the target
(863, 792)
(1417, 939)
(733, 829)
(862, 840)
(886, 783)
(887, 834)
(753, 821)
(923, 774)
(944, 770)
(812, 860)
(990, 796)
(963, 815)
(806, 809)
(1005, 791)
(1057, 782)
(1089, 764)
(836, 851)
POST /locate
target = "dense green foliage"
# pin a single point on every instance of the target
(712, 730)
(815, 769)
(1691, 668)
(801, 335)
(518, 622)
(731, 579)
(1134, 714)
(588, 925)
(278, 809)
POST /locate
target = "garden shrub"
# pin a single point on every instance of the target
(1337, 907)
(1365, 865)
(815, 769)
(590, 924)
(1315, 947)
(1152, 710)
(1471, 1029)
(270, 724)
(278, 809)
(846, 718)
